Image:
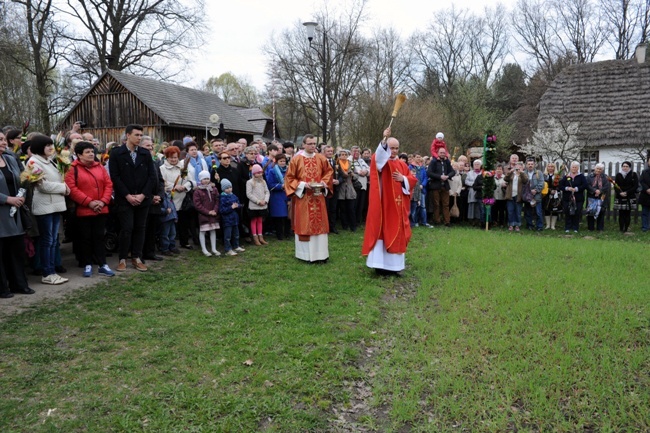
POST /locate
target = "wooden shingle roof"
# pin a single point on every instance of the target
(610, 100)
(256, 117)
(182, 106)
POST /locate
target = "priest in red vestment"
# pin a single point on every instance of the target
(307, 182)
(388, 230)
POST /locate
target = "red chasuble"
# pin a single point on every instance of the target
(309, 213)
(388, 209)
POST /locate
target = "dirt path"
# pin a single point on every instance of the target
(44, 292)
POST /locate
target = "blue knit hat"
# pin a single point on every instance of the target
(225, 184)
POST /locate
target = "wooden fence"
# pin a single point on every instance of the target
(611, 170)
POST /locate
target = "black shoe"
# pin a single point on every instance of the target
(167, 253)
(6, 295)
(27, 291)
(187, 247)
(175, 250)
(60, 269)
(154, 257)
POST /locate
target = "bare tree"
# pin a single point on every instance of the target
(384, 77)
(17, 86)
(330, 67)
(581, 29)
(490, 41)
(624, 19)
(445, 48)
(133, 35)
(43, 34)
(537, 35)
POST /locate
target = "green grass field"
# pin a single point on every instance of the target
(486, 332)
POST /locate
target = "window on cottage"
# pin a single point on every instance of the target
(588, 160)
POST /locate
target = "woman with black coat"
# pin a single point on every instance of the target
(573, 186)
(12, 246)
(627, 183)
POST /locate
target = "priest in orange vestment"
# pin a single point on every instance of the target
(388, 230)
(307, 182)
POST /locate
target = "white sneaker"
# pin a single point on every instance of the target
(61, 279)
(206, 253)
(231, 253)
(53, 279)
(240, 249)
(216, 253)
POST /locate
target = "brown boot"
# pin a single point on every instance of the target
(256, 240)
(262, 241)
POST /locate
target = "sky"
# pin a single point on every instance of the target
(242, 27)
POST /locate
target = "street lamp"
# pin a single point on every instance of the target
(311, 31)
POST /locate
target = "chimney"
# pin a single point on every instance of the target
(640, 53)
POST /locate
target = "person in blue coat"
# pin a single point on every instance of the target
(278, 203)
(228, 205)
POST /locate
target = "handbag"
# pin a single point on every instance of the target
(593, 207)
(188, 201)
(356, 183)
(527, 196)
(26, 217)
(573, 207)
(454, 212)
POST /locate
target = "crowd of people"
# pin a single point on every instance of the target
(160, 199)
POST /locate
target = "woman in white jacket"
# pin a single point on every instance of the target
(47, 204)
(178, 183)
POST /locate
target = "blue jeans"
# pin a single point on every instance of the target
(421, 212)
(645, 218)
(230, 237)
(413, 214)
(48, 228)
(529, 211)
(514, 213)
(167, 235)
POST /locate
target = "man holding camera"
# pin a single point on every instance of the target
(515, 180)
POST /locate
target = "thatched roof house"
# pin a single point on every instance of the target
(262, 123)
(166, 111)
(610, 101)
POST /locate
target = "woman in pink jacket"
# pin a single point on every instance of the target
(91, 189)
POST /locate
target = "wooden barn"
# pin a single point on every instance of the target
(610, 101)
(166, 111)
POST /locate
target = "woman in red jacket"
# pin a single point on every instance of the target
(91, 189)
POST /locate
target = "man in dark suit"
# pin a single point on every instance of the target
(332, 201)
(134, 182)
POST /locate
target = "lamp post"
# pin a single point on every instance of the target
(311, 30)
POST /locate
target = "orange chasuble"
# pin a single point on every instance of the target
(309, 213)
(388, 208)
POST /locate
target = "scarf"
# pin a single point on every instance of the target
(279, 172)
(208, 188)
(597, 182)
(624, 174)
(344, 164)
